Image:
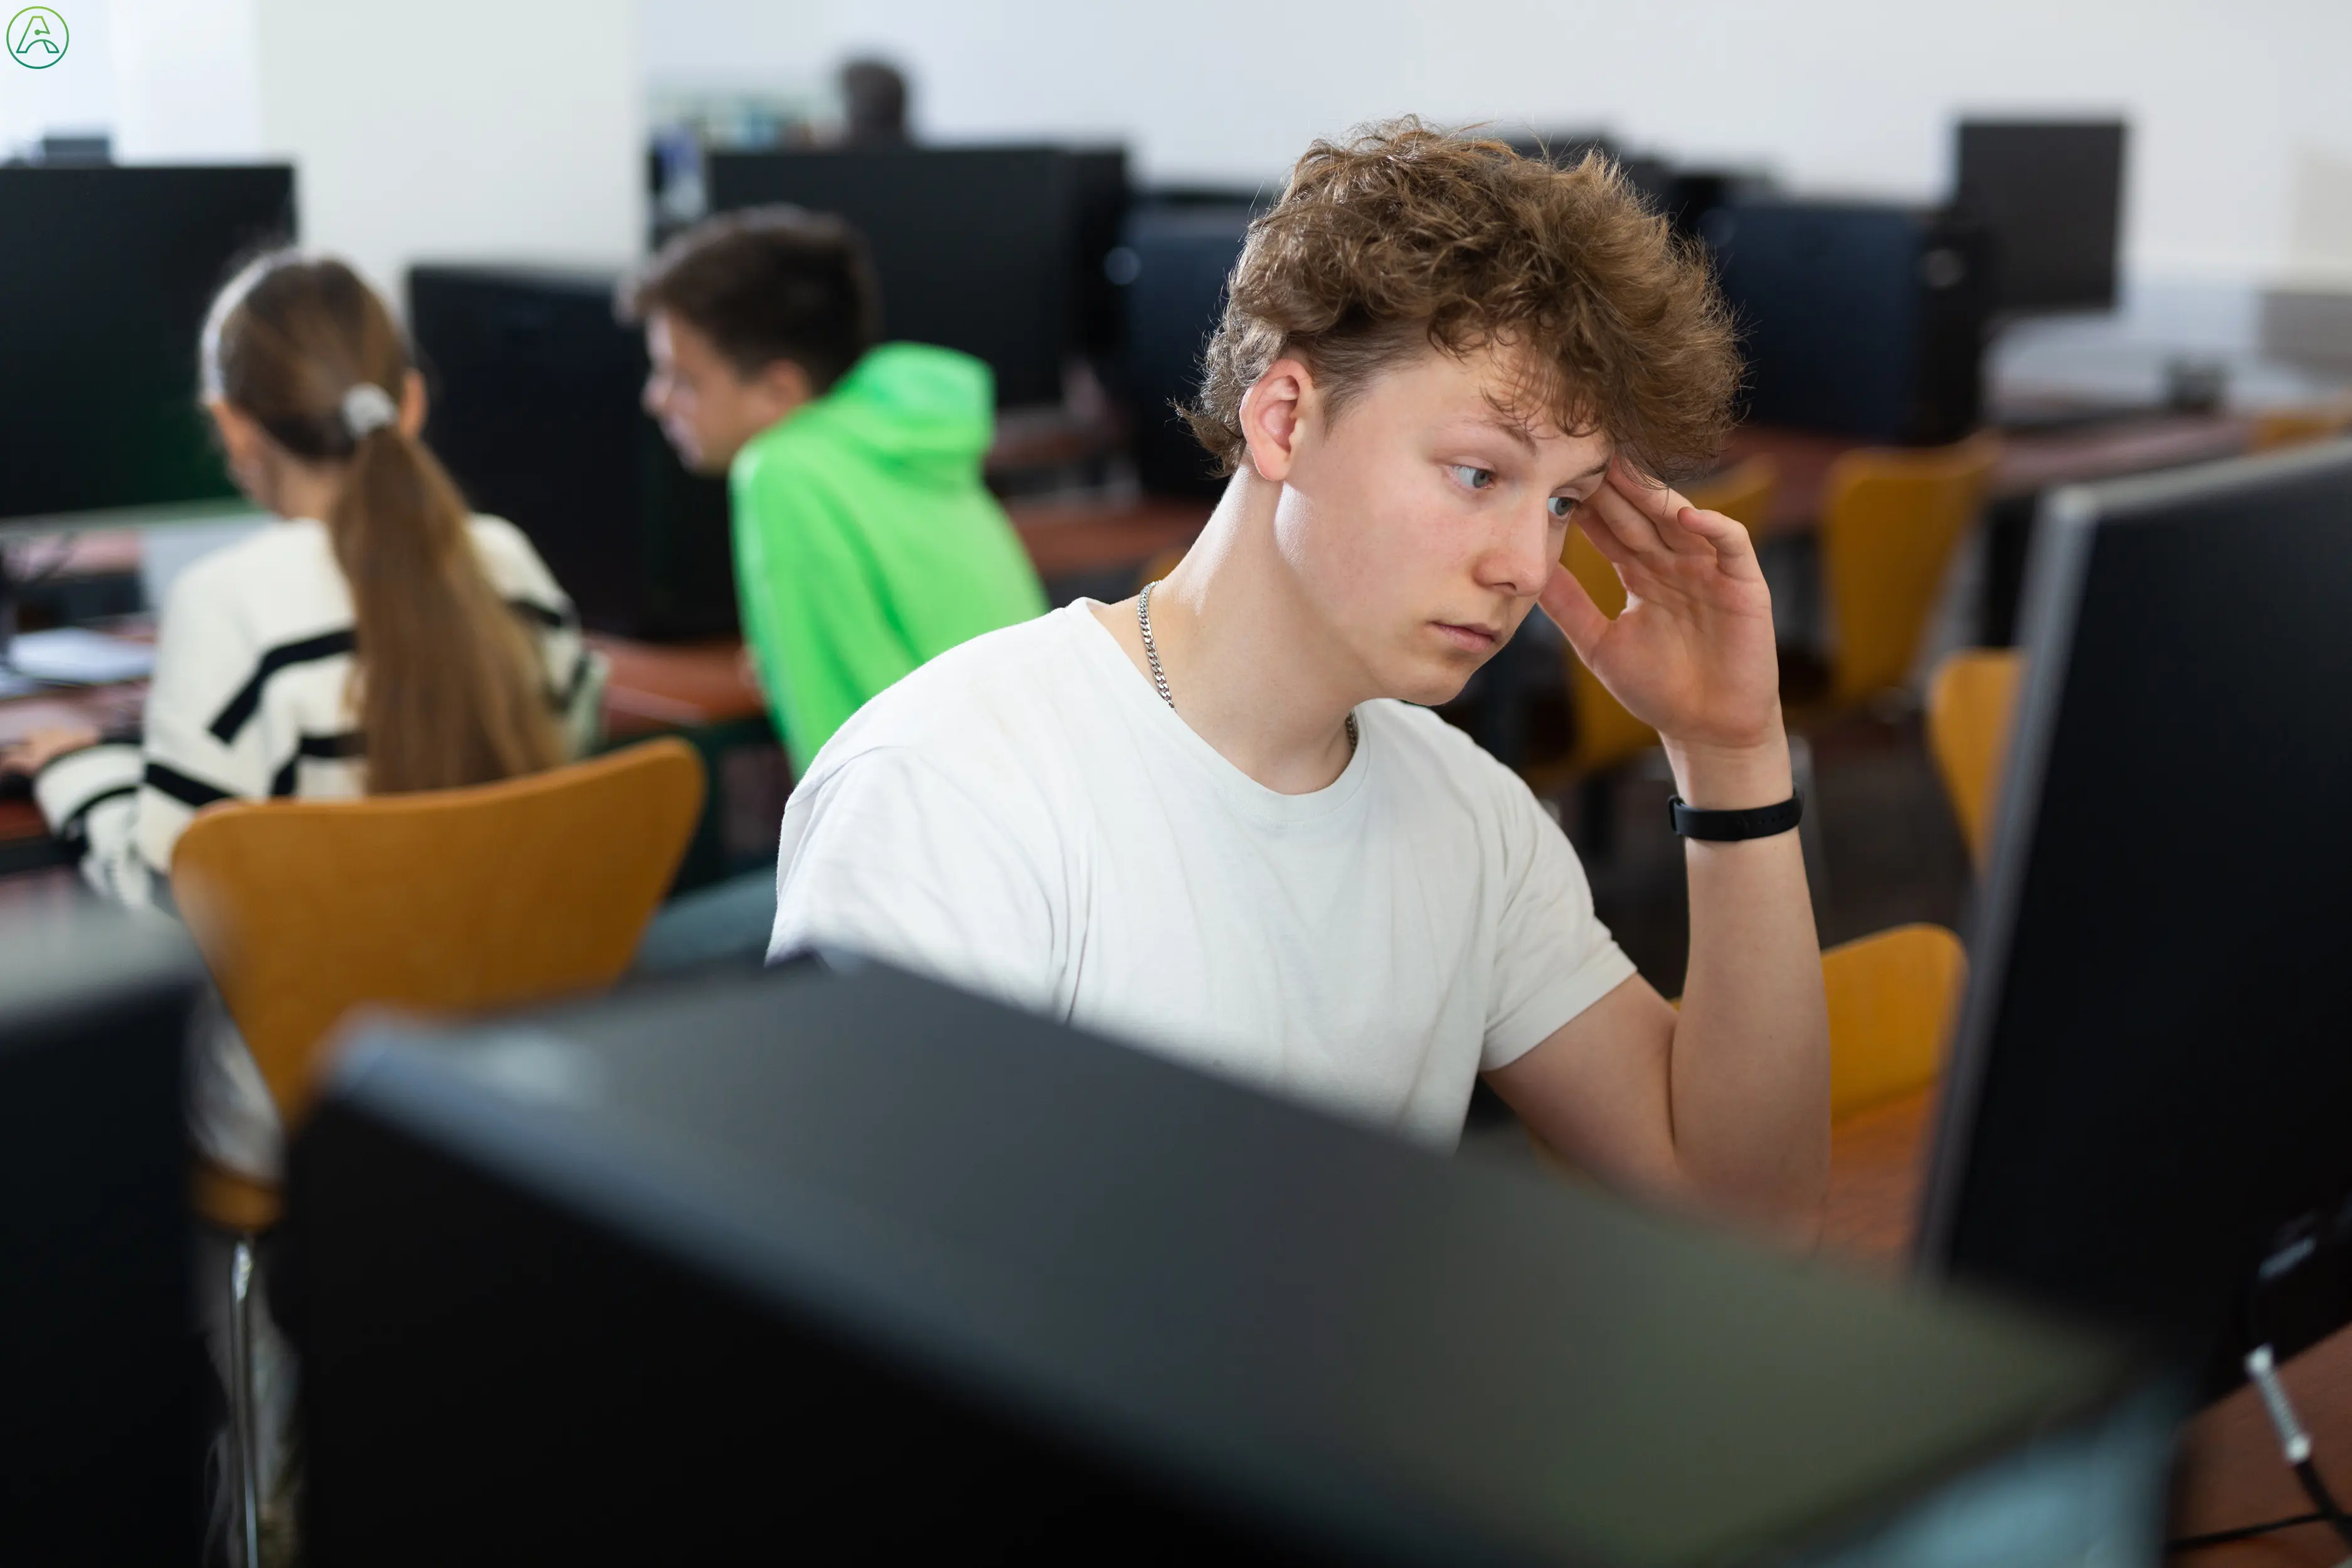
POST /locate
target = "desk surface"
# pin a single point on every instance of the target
(2029, 461)
(2230, 1471)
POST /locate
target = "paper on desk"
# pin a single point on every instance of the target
(72, 655)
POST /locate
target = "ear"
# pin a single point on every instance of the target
(412, 404)
(783, 385)
(240, 435)
(1277, 409)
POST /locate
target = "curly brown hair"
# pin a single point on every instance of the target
(1401, 236)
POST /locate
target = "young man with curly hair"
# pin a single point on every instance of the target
(1213, 820)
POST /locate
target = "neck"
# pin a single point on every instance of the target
(1230, 614)
(305, 490)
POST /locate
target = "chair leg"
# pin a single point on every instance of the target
(243, 1413)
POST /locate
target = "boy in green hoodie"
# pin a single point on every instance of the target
(864, 542)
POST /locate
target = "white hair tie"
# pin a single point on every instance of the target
(367, 408)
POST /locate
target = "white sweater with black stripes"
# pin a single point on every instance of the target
(252, 697)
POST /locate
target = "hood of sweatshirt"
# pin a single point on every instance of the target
(930, 411)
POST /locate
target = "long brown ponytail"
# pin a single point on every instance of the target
(449, 686)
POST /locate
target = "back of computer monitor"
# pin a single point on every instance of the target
(2150, 1096)
(2052, 194)
(106, 274)
(535, 386)
(972, 245)
(99, 1437)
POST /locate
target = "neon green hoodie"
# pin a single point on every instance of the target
(865, 542)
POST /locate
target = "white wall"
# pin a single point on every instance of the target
(430, 130)
(77, 93)
(2242, 159)
(459, 129)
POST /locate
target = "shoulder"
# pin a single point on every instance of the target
(260, 565)
(514, 566)
(275, 581)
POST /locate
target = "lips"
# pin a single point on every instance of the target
(1469, 638)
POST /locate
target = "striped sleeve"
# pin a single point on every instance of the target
(88, 798)
(574, 673)
(202, 742)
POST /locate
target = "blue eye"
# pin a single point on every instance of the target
(1472, 477)
(1562, 507)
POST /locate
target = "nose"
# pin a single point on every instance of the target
(1519, 556)
(655, 393)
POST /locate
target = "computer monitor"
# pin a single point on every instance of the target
(1172, 268)
(1863, 317)
(1099, 197)
(2051, 193)
(535, 411)
(972, 245)
(106, 274)
(851, 1265)
(2150, 1099)
(100, 1438)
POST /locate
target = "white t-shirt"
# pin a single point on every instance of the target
(1024, 817)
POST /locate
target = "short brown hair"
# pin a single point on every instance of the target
(1401, 236)
(766, 284)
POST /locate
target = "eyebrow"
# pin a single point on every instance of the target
(1512, 427)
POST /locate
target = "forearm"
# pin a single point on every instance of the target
(1748, 1070)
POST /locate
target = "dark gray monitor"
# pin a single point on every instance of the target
(850, 1266)
(2052, 194)
(972, 245)
(106, 274)
(2151, 1094)
(99, 1427)
(535, 411)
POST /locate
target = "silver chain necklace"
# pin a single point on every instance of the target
(1159, 676)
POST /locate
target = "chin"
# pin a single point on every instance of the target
(1429, 685)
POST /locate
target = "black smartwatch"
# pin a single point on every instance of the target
(1730, 826)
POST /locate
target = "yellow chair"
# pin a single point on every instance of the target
(1891, 1001)
(1890, 521)
(1970, 703)
(1891, 998)
(1606, 734)
(1160, 565)
(2282, 427)
(1743, 493)
(448, 902)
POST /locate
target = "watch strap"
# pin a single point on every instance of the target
(1730, 826)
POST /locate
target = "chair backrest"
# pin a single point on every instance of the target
(2282, 427)
(1890, 997)
(1969, 702)
(1606, 734)
(1890, 521)
(449, 902)
(1743, 493)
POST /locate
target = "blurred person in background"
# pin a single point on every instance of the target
(473, 668)
(866, 542)
(873, 104)
(377, 639)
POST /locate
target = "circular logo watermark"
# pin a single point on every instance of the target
(37, 38)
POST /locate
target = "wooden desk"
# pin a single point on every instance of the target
(2029, 462)
(1074, 539)
(657, 687)
(2230, 1472)
(652, 690)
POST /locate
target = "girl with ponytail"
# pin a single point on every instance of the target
(377, 638)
